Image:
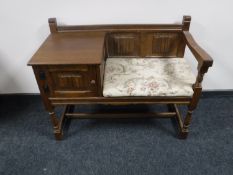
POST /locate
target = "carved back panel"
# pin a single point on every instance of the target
(123, 44)
(145, 44)
(161, 44)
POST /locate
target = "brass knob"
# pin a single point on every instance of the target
(92, 81)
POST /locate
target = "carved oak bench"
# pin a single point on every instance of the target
(119, 65)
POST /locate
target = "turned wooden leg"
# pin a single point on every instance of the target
(59, 124)
(182, 134)
(197, 88)
(191, 107)
(185, 130)
(56, 126)
(58, 135)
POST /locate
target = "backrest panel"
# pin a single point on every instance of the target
(144, 44)
(123, 44)
(160, 44)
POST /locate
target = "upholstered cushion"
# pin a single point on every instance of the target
(147, 77)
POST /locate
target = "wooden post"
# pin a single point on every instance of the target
(53, 25)
(186, 23)
(197, 88)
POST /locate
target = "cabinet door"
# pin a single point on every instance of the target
(71, 81)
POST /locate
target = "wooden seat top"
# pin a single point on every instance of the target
(70, 48)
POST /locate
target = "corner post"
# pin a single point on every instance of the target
(197, 88)
(53, 25)
(184, 131)
(185, 27)
(186, 23)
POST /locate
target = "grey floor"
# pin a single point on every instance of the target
(129, 146)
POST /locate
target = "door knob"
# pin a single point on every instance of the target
(92, 81)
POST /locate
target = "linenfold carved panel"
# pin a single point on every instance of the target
(123, 44)
(161, 44)
(145, 44)
(71, 80)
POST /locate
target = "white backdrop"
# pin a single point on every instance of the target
(24, 27)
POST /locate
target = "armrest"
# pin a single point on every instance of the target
(203, 58)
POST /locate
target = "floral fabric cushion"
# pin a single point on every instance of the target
(147, 77)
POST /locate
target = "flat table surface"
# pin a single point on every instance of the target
(70, 48)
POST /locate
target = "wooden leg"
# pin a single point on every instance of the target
(56, 129)
(58, 135)
(182, 125)
(185, 129)
(182, 133)
(58, 124)
(191, 107)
